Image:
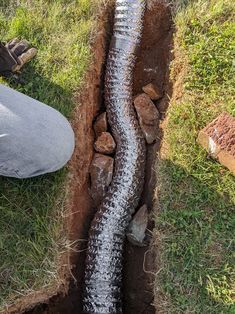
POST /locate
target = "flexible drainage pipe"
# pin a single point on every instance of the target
(103, 275)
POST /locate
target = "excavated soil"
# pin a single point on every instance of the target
(222, 131)
(152, 66)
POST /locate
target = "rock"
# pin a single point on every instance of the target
(101, 173)
(153, 91)
(137, 228)
(105, 143)
(218, 138)
(101, 124)
(148, 116)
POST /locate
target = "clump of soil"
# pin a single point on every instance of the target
(151, 67)
(218, 138)
(222, 131)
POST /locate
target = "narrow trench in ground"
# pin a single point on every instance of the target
(139, 263)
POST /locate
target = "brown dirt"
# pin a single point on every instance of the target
(152, 66)
(222, 131)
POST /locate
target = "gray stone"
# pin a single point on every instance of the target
(101, 174)
(136, 232)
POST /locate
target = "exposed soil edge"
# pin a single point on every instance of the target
(78, 204)
(152, 66)
(176, 73)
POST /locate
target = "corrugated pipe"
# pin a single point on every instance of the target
(103, 275)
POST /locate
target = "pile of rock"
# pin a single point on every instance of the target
(147, 112)
(102, 165)
(101, 169)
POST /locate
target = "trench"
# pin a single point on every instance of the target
(139, 262)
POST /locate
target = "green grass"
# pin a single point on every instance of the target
(196, 195)
(31, 225)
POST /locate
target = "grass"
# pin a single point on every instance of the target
(195, 222)
(31, 236)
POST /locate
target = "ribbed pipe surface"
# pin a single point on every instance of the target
(103, 275)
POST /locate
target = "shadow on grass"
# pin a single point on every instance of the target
(195, 224)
